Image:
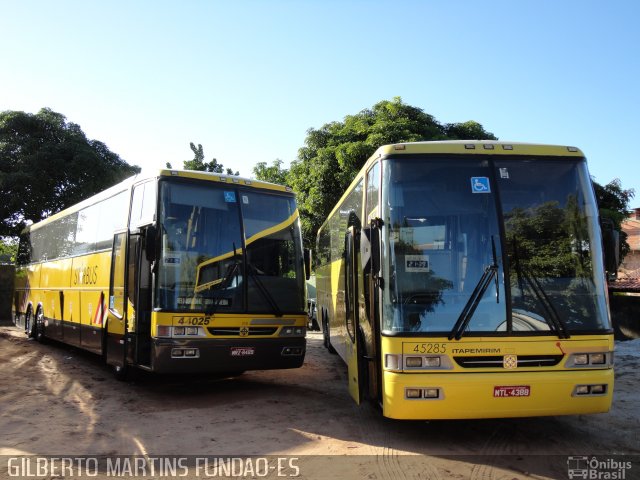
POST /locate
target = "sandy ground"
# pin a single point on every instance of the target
(56, 400)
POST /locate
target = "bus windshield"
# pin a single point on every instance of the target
(228, 249)
(491, 245)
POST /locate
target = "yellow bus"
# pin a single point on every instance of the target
(465, 280)
(175, 272)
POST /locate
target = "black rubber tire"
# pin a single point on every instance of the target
(29, 324)
(38, 325)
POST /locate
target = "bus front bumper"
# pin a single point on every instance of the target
(226, 355)
(495, 395)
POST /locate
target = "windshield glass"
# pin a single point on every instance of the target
(442, 229)
(442, 234)
(207, 265)
(550, 220)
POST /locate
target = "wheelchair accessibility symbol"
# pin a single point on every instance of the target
(480, 185)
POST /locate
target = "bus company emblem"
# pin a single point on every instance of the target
(244, 332)
(510, 362)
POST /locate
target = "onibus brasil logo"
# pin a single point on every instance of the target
(592, 468)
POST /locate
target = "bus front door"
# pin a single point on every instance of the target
(116, 328)
(353, 339)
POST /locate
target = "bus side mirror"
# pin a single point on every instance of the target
(307, 263)
(611, 244)
(150, 242)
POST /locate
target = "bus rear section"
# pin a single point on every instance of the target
(466, 280)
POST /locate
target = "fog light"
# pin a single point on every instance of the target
(191, 330)
(598, 358)
(431, 393)
(413, 392)
(581, 359)
(177, 352)
(178, 330)
(190, 352)
(582, 390)
(598, 389)
(414, 361)
(431, 361)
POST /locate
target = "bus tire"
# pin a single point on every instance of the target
(120, 372)
(38, 326)
(29, 323)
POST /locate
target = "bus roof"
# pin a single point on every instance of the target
(478, 147)
(151, 174)
(461, 147)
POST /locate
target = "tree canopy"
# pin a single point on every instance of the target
(333, 154)
(48, 164)
(274, 173)
(198, 163)
(613, 203)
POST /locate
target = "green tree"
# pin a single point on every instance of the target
(274, 173)
(333, 154)
(613, 203)
(47, 164)
(198, 163)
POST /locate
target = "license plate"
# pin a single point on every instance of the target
(512, 391)
(242, 351)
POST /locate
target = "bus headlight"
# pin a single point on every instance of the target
(414, 362)
(585, 360)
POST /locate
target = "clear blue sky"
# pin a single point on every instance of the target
(246, 79)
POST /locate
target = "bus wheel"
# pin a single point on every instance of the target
(120, 372)
(28, 323)
(38, 326)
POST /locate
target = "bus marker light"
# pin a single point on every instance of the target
(507, 147)
(399, 147)
(163, 331)
(414, 361)
(572, 149)
(392, 362)
(469, 146)
(488, 146)
(413, 392)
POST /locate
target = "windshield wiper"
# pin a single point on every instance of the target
(554, 320)
(252, 272)
(221, 283)
(478, 292)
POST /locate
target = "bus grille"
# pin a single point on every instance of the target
(497, 361)
(235, 331)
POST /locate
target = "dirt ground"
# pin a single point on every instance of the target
(56, 400)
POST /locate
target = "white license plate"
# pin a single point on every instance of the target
(242, 351)
(512, 391)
